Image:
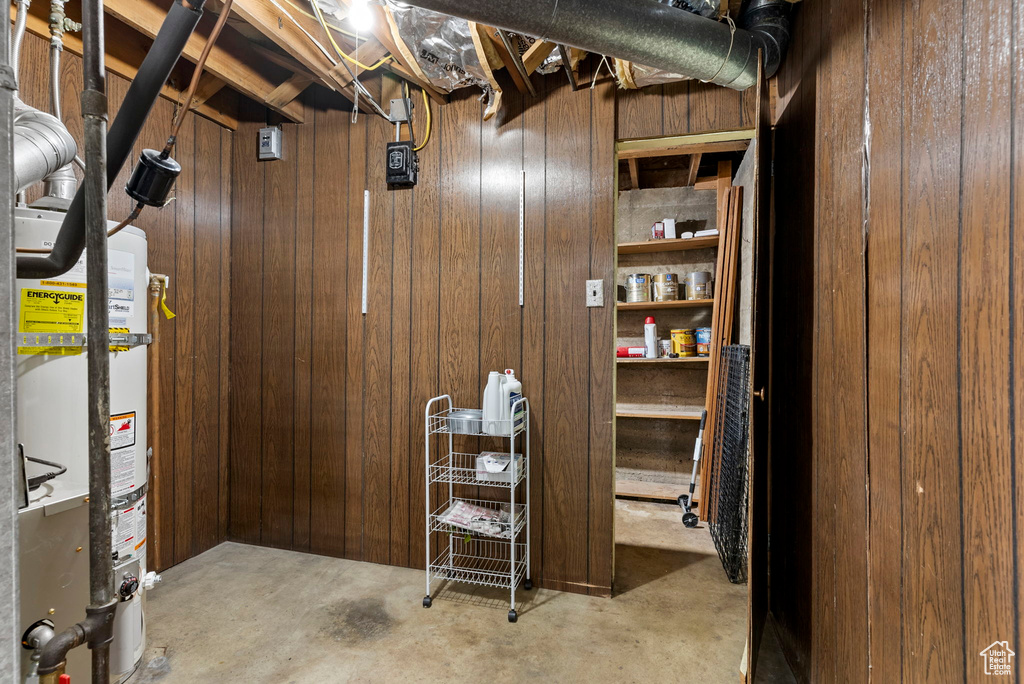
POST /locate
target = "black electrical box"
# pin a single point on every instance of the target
(403, 165)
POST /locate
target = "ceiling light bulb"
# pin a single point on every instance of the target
(360, 15)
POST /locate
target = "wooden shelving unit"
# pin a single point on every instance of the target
(688, 359)
(654, 246)
(659, 411)
(677, 304)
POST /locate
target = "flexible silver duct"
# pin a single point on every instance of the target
(42, 145)
(644, 32)
(60, 186)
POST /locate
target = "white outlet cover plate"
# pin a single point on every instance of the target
(595, 293)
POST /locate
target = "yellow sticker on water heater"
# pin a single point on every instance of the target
(51, 311)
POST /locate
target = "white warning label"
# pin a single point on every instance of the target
(122, 430)
(124, 534)
(122, 471)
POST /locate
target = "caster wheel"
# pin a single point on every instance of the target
(512, 616)
(426, 601)
(681, 500)
(527, 585)
(690, 519)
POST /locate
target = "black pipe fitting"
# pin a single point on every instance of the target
(768, 20)
(97, 629)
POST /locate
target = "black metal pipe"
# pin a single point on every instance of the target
(174, 33)
(94, 195)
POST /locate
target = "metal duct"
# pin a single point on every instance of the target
(42, 144)
(644, 32)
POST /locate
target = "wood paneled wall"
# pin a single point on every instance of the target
(189, 241)
(327, 404)
(898, 160)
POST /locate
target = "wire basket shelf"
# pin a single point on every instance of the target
(459, 468)
(517, 521)
(444, 423)
(482, 562)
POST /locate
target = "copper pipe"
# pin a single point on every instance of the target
(156, 286)
(194, 84)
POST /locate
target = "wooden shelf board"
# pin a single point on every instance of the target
(650, 490)
(660, 411)
(651, 246)
(685, 359)
(677, 304)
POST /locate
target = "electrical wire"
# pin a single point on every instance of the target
(341, 53)
(303, 12)
(426, 135)
(355, 81)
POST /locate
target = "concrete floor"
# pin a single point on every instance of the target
(242, 613)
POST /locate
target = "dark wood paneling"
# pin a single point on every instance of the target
(443, 311)
(602, 363)
(330, 292)
(184, 341)
(985, 348)
(277, 418)
(188, 481)
(905, 232)
(247, 231)
(304, 208)
(206, 343)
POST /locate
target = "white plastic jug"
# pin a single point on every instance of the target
(493, 404)
(512, 391)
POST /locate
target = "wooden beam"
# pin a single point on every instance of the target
(686, 149)
(496, 46)
(689, 144)
(634, 173)
(536, 55)
(369, 53)
(209, 85)
(706, 183)
(117, 63)
(230, 59)
(288, 91)
(287, 29)
(402, 63)
(691, 177)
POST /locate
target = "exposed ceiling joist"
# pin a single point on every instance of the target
(288, 30)
(536, 55)
(123, 58)
(209, 85)
(518, 73)
(400, 64)
(288, 91)
(230, 58)
(691, 176)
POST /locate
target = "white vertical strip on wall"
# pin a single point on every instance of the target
(522, 217)
(366, 242)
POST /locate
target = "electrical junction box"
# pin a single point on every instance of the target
(270, 143)
(403, 165)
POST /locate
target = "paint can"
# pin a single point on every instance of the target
(684, 342)
(638, 287)
(664, 348)
(698, 285)
(703, 341)
(665, 287)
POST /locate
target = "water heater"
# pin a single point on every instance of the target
(52, 427)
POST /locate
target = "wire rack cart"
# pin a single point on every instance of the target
(494, 551)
